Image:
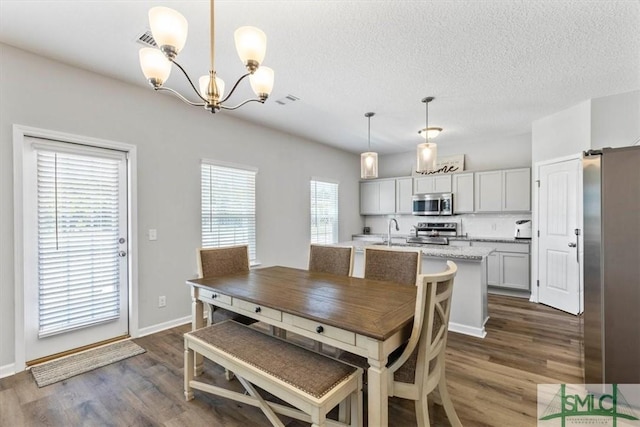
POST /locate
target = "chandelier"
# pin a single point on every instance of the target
(369, 160)
(427, 152)
(169, 29)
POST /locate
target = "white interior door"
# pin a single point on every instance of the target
(75, 234)
(558, 220)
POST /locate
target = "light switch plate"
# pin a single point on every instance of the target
(153, 234)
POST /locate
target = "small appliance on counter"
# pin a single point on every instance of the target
(433, 233)
(366, 230)
(523, 229)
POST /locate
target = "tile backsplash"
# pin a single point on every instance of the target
(473, 225)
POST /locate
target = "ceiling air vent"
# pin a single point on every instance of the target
(287, 99)
(146, 39)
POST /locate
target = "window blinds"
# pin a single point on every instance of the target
(78, 232)
(228, 207)
(324, 212)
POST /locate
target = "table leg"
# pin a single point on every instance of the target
(197, 322)
(377, 393)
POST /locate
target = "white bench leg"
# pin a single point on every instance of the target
(188, 372)
(264, 406)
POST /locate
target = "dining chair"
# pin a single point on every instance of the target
(420, 368)
(331, 259)
(216, 262)
(400, 265)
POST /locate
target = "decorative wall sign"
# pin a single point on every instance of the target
(447, 164)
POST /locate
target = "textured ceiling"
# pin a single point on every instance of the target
(494, 66)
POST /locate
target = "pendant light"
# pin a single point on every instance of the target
(427, 152)
(369, 160)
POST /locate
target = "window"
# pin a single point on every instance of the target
(324, 212)
(228, 206)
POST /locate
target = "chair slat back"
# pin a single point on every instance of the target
(331, 259)
(423, 358)
(392, 264)
(215, 262)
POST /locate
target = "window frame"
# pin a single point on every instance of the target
(313, 208)
(243, 171)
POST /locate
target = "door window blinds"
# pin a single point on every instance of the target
(324, 212)
(228, 207)
(78, 232)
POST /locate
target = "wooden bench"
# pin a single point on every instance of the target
(310, 382)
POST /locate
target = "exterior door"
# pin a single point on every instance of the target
(76, 269)
(558, 220)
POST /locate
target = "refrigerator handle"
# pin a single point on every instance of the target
(577, 232)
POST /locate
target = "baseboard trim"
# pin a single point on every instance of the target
(467, 330)
(7, 370)
(165, 325)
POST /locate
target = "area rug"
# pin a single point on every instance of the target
(76, 364)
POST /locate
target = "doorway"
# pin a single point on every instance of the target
(559, 225)
(75, 238)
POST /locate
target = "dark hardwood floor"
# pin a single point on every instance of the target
(492, 381)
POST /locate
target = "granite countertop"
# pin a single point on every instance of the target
(490, 239)
(374, 236)
(439, 251)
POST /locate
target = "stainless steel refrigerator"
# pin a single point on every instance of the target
(611, 179)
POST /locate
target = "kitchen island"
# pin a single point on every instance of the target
(469, 307)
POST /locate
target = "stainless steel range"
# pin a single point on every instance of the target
(433, 233)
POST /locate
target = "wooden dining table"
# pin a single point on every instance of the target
(370, 318)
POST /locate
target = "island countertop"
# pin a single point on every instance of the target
(470, 253)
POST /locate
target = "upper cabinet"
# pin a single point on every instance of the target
(378, 197)
(503, 190)
(491, 191)
(404, 195)
(432, 184)
(462, 189)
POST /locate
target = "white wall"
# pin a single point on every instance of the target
(171, 139)
(615, 120)
(610, 121)
(508, 152)
(562, 134)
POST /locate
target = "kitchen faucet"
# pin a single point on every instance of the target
(389, 234)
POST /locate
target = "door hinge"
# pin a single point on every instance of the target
(538, 283)
(538, 182)
(538, 233)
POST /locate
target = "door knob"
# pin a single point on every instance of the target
(572, 245)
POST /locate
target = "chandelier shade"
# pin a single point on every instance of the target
(251, 44)
(169, 29)
(155, 66)
(369, 160)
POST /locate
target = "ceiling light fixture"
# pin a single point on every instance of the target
(427, 152)
(369, 160)
(169, 29)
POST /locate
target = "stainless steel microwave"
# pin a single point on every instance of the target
(433, 204)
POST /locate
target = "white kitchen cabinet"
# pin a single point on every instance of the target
(503, 190)
(516, 190)
(378, 197)
(508, 266)
(404, 195)
(432, 184)
(463, 190)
